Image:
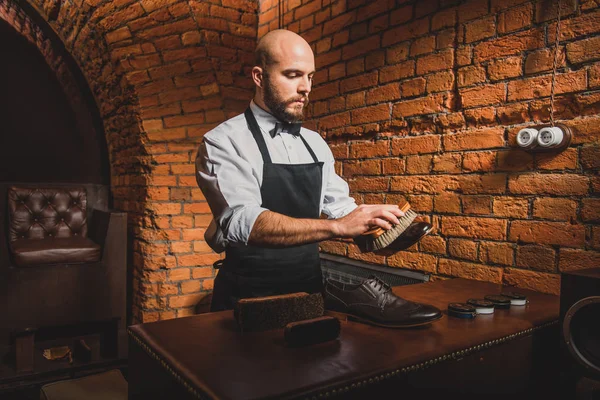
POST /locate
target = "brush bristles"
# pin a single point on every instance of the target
(386, 238)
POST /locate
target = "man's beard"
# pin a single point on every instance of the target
(278, 106)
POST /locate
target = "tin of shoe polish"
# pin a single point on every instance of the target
(498, 300)
(462, 310)
(482, 306)
(516, 299)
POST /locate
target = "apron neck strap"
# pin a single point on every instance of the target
(260, 140)
(314, 157)
(255, 129)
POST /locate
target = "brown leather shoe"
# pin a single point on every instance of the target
(373, 302)
(415, 232)
(410, 236)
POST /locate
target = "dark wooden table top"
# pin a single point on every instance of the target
(209, 353)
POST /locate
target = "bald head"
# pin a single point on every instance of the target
(279, 45)
(285, 65)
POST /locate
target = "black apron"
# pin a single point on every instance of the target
(250, 271)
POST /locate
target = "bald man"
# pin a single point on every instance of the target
(267, 181)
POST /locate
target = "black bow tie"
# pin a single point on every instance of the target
(293, 129)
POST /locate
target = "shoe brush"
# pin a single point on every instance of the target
(379, 238)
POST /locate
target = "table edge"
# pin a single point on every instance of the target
(355, 383)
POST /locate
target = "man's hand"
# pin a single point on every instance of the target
(365, 217)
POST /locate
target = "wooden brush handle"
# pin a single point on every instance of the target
(378, 231)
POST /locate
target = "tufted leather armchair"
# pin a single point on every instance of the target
(49, 226)
(62, 262)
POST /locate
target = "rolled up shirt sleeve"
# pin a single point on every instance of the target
(337, 201)
(230, 187)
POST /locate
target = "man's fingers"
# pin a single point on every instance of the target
(392, 208)
(382, 223)
(389, 216)
(398, 213)
(381, 215)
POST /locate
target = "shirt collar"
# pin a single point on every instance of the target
(266, 121)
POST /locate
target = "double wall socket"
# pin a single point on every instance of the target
(545, 138)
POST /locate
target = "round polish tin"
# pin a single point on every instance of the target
(482, 306)
(516, 299)
(461, 310)
(498, 300)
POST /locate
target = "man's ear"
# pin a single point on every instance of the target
(257, 76)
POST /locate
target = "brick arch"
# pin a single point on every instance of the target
(31, 22)
(162, 73)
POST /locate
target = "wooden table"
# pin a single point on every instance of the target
(511, 352)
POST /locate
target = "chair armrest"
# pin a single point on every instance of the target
(108, 228)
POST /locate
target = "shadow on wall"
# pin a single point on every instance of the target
(41, 140)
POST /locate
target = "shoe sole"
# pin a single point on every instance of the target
(349, 317)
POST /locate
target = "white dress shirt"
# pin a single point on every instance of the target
(229, 170)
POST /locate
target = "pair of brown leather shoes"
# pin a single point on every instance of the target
(373, 302)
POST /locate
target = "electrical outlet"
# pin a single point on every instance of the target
(527, 138)
(551, 136)
(545, 138)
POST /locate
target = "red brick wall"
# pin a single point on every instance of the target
(422, 100)
(162, 73)
(418, 100)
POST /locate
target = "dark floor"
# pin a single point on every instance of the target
(26, 394)
(587, 389)
(32, 391)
